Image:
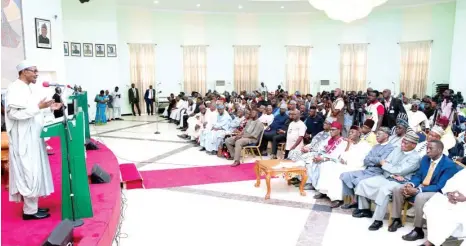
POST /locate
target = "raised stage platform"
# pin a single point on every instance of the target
(96, 231)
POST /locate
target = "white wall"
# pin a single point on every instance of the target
(92, 22)
(49, 62)
(458, 60)
(382, 29)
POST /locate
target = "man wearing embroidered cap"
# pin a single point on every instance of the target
(30, 176)
(435, 134)
(398, 168)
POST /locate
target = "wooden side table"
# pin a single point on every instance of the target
(265, 167)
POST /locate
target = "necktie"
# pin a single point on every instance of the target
(428, 178)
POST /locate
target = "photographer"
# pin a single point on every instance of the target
(447, 104)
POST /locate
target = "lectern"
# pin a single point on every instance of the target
(76, 200)
(80, 101)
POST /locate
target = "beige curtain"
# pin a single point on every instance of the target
(353, 67)
(195, 68)
(415, 59)
(246, 68)
(142, 69)
(297, 69)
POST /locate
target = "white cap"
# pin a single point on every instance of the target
(23, 65)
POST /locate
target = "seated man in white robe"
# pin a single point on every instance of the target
(30, 175)
(182, 110)
(177, 108)
(445, 212)
(335, 146)
(306, 153)
(398, 168)
(416, 118)
(435, 134)
(372, 165)
(267, 116)
(351, 160)
(210, 120)
(190, 111)
(214, 138)
(195, 124)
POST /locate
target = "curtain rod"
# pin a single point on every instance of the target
(194, 45)
(310, 46)
(141, 43)
(415, 41)
(247, 45)
(357, 43)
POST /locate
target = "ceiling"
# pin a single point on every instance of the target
(249, 6)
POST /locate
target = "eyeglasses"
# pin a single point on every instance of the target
(31, 70)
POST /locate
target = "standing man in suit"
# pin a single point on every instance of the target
(393, 107)
(133, 94)
(149, 97)
(435, 170)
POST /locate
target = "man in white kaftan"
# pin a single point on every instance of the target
(30, 175)
(212, 139)
(116, 104)
(350, 160)
(416, 118)
(181, 110)
(210, 119)
(196, 124)
(446, 213)
(398, 168)
(318, 142)
(267, 117)
(177, 109)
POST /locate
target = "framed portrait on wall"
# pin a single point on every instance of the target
(88, 49)
(66, 48)
(111, 50)
(75, 49)
(100, 50)
(43, 34)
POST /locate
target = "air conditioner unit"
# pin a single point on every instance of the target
(220, 86)
(325, 82)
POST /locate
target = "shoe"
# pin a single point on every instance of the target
(376, 225)
(336, 204)
(363, 213)
(349, 206)
(319, 196)
(43, 210)
(264, 153)
(202, 149)
(230, 158)
(308, 187)
(396, 223)
(181, 136)
(213, 153)
(274, 157)
(294, 181)
(184, 129)
(36, 216)
(413, 236)
(235, 164)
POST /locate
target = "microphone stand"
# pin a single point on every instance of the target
(156, 111)
(68, 137)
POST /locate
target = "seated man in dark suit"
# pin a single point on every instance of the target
(435, 170)
(272, 130)
(314, 123)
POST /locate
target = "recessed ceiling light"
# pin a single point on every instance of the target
(156, 2)
(282, 7)
(198, 5)
(240, 7)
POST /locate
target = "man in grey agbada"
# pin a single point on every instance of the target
(372, 163)
(398, 168)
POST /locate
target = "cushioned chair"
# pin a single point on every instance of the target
(251, 148)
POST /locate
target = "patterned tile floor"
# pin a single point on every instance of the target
(222, 214)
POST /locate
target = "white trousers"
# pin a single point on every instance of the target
(116, 112)
(109, 113)
(31, 204)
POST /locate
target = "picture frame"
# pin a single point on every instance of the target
(111, 50)
(75, 49)
(99, 50)
(66, 48)
(43, 33)
(88, 50)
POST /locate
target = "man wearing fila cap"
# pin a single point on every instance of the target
(398, 168)
(30, 176)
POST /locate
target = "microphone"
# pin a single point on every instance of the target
(48, 84)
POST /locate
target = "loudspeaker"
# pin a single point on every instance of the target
(62, 235)
(99, 176)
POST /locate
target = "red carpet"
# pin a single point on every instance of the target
(106, 199)
(197, 176)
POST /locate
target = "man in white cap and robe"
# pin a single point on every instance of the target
(30, 175)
